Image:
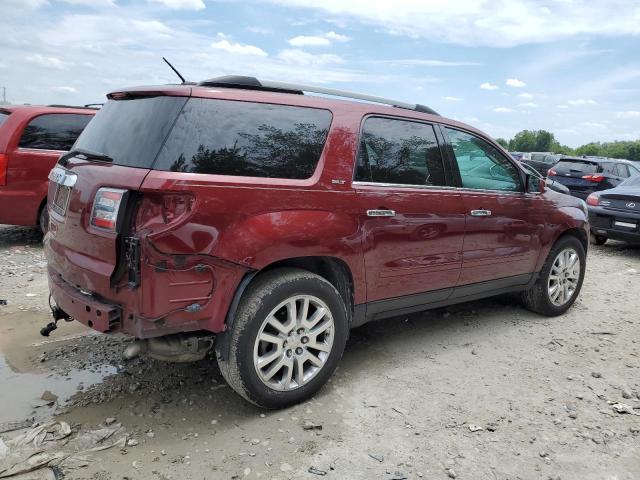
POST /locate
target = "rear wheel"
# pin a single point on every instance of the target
(560, 279)
(43, 219)
(288, 336)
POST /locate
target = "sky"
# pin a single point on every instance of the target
(568, 66)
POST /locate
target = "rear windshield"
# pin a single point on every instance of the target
(208, 136)
(632, 182)
(131, 131)
(577, 166)
(3, 117)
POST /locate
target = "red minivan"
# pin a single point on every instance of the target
(32, 138)
(254, 219)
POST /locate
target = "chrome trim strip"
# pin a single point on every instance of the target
(402, 185)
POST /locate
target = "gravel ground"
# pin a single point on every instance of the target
(484, 390)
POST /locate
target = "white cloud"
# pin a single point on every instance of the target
(29, 4)
(563, 107)
(47, 62)
(594, 125)
(309, 41)
(300, 57)
(526, 95)
(514, 82)
(628, 114)
(337, 37)
(64, 89)
(317, 40)
(238, 48)
(503, 110)
(427, 62)
(181, 4)
(511, 22)
(528, 105)
(489, 86)
(92, 3)
(582, 101)
(452, 99)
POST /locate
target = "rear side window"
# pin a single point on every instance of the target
(3, 117)
(577, 166)
(399, 152)
(56, 131)
(620, 170)
(247, 139)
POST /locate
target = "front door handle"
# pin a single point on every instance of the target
(381, 213)
(480, 213)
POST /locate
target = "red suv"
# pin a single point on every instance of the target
(265, 223)
(31, 141)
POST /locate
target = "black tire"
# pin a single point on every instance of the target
(537, 298)
(235, 349)
(43, 219)
(599, 239)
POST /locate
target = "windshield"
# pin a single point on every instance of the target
(632, 182)
(131, 132)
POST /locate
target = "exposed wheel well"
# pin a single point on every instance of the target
(333, 269)
(43, 204)
(578, 233)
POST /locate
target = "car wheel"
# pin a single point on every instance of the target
(599, 239)
(43, 219)
(560, 280)
(288, 335)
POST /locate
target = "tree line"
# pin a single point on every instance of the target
(544, 141)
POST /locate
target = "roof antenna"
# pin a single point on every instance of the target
(175, 70)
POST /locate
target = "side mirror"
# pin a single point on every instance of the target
(535, 184)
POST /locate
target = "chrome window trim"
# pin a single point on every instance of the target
(30, 149)
(402, 185)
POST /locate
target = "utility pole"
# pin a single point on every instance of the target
(4, 96)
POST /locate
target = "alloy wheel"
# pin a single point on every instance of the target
(293, 342)
(564, 277)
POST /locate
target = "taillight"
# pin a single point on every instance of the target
(594, 178)
(106, 207)
(4, 164)
(551, 172)
(593, 200)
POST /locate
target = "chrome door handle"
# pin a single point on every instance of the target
(480, 213)
(381, 213)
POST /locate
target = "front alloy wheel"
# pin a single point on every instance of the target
(564, 277)
(294, 342)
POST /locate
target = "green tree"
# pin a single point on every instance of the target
(502, 142)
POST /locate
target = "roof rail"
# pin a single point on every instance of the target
(252, 83)
(90, 106)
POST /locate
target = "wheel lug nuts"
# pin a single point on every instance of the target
(305, 340)
(298, 351)
(289, 353)
(300, 331)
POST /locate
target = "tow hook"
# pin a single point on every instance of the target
(58, 314)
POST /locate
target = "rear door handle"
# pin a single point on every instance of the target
(480, 213)
(381, 213)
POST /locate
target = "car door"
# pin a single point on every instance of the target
(503, 222)
(41, 143)
(412, 222)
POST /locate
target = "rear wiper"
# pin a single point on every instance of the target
(90, 154)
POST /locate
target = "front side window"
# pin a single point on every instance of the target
(481, 166)
(399, 152)
(247, 139)
(56, 131)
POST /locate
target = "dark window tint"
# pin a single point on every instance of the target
(481, 165)
(131, 132)
(246, 139)
(57, 131)
(577, 166)
(3, 117)
(400, 152)
(620, 170)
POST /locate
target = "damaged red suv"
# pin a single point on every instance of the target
(248, 217)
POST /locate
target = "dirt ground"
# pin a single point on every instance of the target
(484, 390)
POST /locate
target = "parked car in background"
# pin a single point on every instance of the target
(265, 222)
(516, 155)
(583, 176)
(615, 213)
(542, 162)
(32, 138)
